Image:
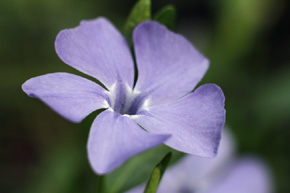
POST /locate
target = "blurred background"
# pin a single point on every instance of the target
(247, 42)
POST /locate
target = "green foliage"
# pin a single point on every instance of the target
(137, 169)
(100, 184)
(238, 25)
(272, 98)
(59, 171)
(167, 16)
(157, 174)
(248, 46)
(140, 12)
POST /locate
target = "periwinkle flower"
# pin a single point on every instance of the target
(161, 102)
(223, 174)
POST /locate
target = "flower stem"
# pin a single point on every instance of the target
(100, 184)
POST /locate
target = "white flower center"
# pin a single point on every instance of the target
(124, 100)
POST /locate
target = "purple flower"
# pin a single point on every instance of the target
(161, 102)
(224, 174)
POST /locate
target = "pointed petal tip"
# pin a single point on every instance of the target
(26, 88)
(205, 63)
(71, 96)
(216, 92)
(101, 20)
(146, 25)
(101, 169)
(210, 87)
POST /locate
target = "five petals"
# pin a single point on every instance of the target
(169, 67)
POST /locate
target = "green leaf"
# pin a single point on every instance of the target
(137, 169)
(140, 12)
(157, 174)
(167, 16)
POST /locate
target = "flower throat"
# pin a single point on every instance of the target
(124, 100)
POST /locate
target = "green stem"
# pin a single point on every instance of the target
(101, 184)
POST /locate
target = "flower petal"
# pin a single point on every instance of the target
(249, 175)
(69, 95)
(195, 121)
(114, 138)
(195, 173)
(168, 65)
(98, 49)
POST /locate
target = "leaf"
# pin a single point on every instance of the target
(167, 16)
(137, 169)
(157, 174)
(140, 12)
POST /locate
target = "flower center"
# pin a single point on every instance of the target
(124, 100)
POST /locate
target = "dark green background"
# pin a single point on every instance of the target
(247, 41)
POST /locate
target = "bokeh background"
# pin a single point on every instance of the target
(247, 41)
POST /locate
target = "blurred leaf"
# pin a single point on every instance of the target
(167, 16)
(140, 12)
(137, 170)
(157, 174)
